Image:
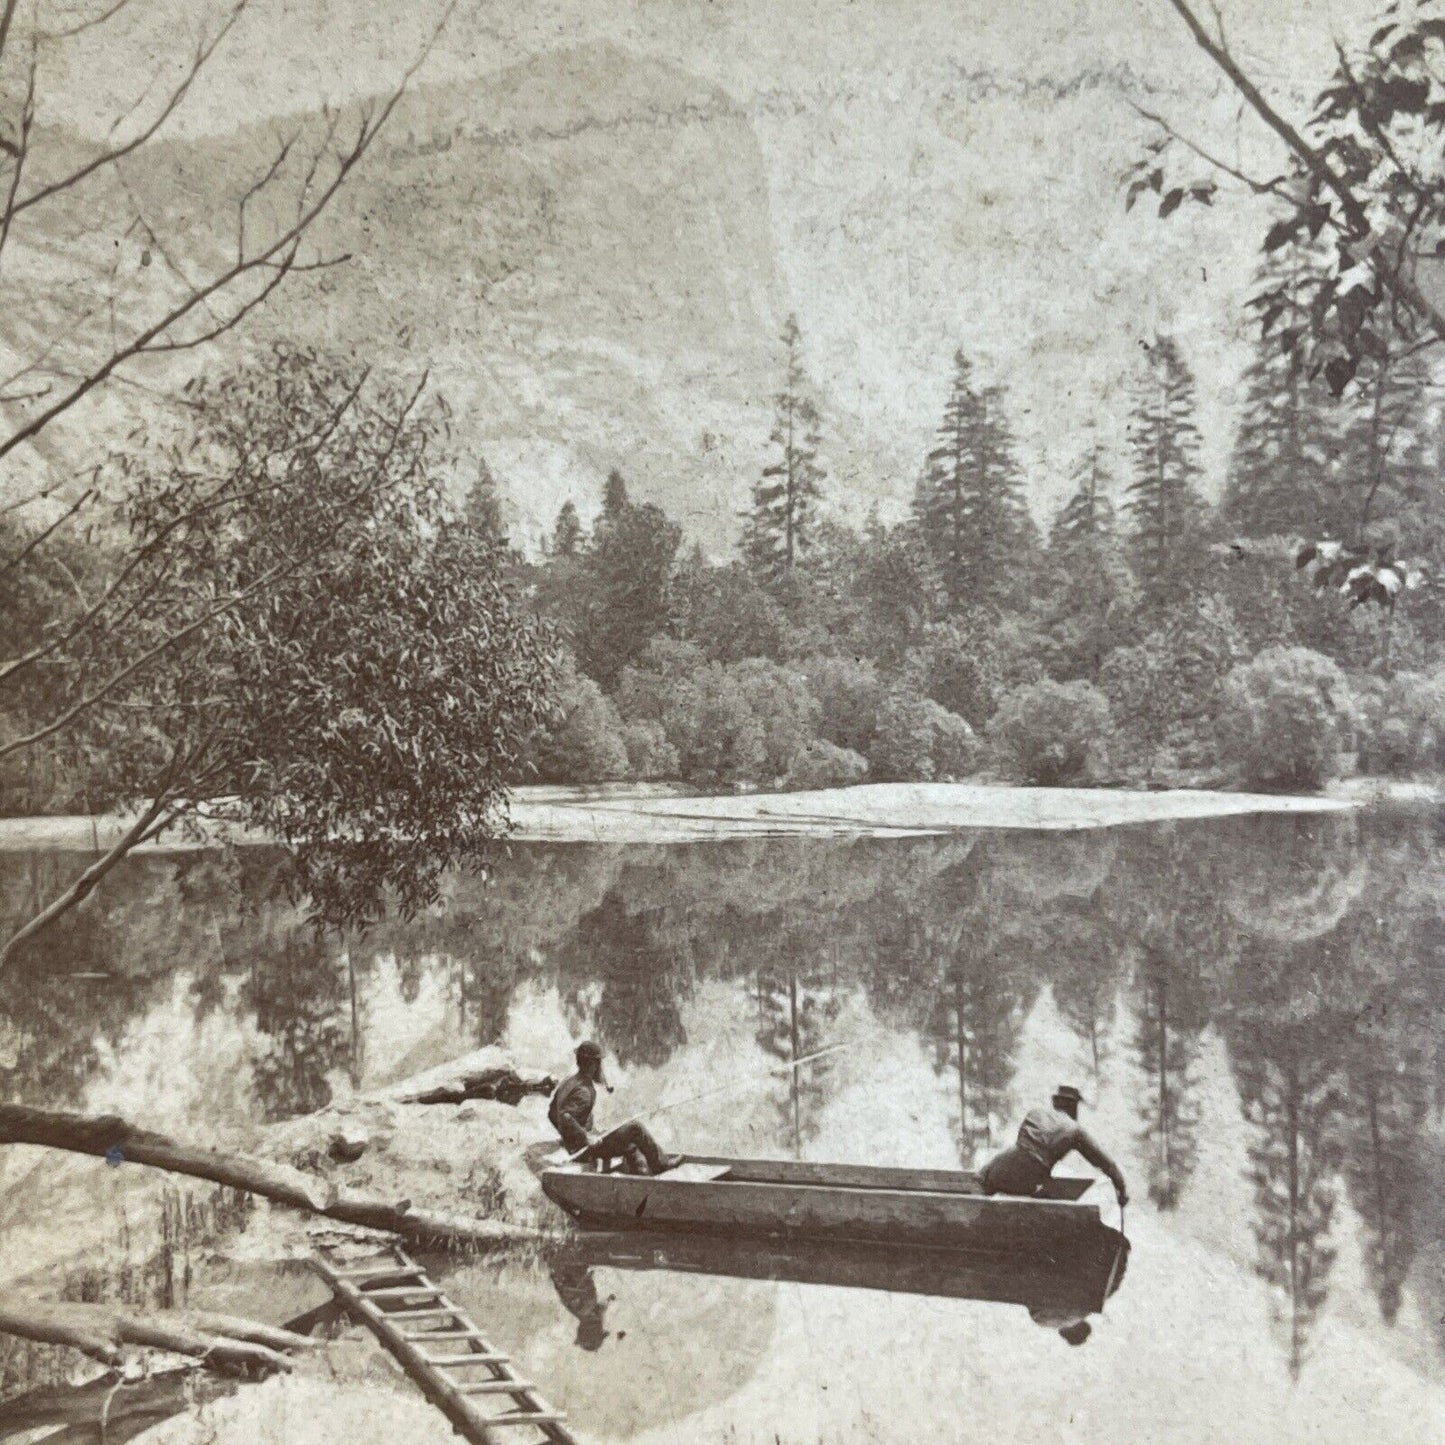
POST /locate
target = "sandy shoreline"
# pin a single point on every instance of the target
(620, 814)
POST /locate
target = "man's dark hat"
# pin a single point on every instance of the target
(1069, 1092)
(591, 1332)
(588, 1050)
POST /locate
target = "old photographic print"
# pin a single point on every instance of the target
(722, 722)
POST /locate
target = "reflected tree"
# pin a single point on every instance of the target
(642, 982)
(300, 992)
(797, 997)
(1170, 1020)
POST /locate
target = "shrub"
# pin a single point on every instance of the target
(917, 740)
(1283, 718)
(1400, 723)
(822, 764)
(849, 694)
(586, 744)
(784, 707)
(717, 735)
(902, 747)
(955, 748)
(650, 757)
(1045, 732)
(646, 688)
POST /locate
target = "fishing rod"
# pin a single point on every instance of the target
(712, 1093)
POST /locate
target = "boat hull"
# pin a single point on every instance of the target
(824, 1203)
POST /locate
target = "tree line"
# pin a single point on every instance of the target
(1146, 634)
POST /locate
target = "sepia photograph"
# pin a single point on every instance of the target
(722, 722)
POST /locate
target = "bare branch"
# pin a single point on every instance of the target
(153, 816)
(1262, 188)
(40, 538)
(1318, 167)
(109, 157)
(81, 26)
(104, 690)
(6, 16)
(150, 339)
(20, 150)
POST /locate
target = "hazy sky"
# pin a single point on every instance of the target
(940, 174)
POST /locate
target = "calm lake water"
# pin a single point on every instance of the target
(1255, 1008)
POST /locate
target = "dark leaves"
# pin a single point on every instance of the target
(1171, 201)
(1339, 372)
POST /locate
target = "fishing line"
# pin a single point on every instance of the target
(727, 1088)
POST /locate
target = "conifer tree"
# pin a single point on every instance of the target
(567, 531)
(1089, 594)
(779, 526)
(969, 502)
(1163, 500)
(482, 508)
(1280, 479)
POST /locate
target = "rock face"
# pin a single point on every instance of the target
(577, 249)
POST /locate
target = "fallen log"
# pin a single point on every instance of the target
(119, 1143)
(126, 1407)
(221, 1342)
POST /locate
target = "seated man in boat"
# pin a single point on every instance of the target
(571, 1116)
(1045, 1136)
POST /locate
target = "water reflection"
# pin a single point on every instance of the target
(1263, 994)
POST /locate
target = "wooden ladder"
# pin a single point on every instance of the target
(442, 1351)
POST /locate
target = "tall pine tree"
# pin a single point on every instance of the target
(1281, 476)
(1089, 594)
(1163, 501)
(969, 502)
(780, 524)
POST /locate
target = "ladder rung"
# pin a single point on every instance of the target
(416, 1314)
(527, 1417)
(364, 1271)
(449, 1362)
(428, 1335)
(401, 1290)
(497, 1387)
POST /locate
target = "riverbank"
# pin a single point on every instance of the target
(621, 813)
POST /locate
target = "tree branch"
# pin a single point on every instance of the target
(1318, 167)
(108, 158)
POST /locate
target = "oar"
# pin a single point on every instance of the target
(727, 1088)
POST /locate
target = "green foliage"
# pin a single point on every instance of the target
(622, 591)
(786, 711)
(1046, 732)
(584, 743)
(821, 764)
(849, 693)
(1400, 723)
(1163, 502)
(650, 757)
(1281, 480)
(917, 739)
(1283, 718)
(482, 506)
(710, 721)
(779, 526)
(567, 534)
(366, 707)
(726, 612)
(969, 503)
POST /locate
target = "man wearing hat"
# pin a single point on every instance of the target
(571, 1116)
(1045, 1136)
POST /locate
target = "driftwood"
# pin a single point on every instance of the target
(505, 1085)
(119, 1142)
(127, 1407)
(102, 1331)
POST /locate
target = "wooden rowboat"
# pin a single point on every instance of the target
(831, 1202)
